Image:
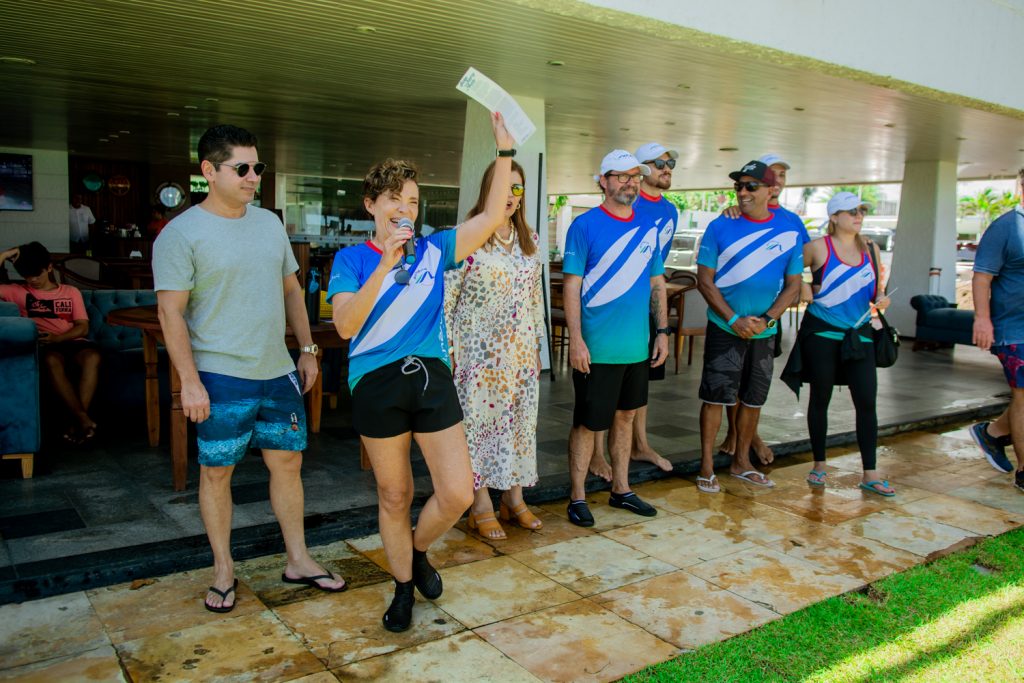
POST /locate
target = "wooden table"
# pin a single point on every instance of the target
(145, 319)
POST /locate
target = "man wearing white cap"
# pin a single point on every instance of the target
(779, 168)
(612, 264)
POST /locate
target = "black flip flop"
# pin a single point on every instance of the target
(311, 581)
(224, 596)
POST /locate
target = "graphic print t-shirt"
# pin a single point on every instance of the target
(751, 260)
(406, 320)
(616, 258)
(53, 311)
(663, 215)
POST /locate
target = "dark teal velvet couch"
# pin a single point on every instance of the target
(20, 430)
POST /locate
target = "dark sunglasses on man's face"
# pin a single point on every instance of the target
(749, 186)
(662, 163)
(242, 169)
(518, 189)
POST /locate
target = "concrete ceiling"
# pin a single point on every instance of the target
(332, 87)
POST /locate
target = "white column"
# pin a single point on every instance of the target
(925, 237)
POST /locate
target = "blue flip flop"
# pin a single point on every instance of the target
(870, 486)
(816, 478)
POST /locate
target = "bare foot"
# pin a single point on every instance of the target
(650, 456)
(728, 446)
(224, 582)
(599, 467)
(763, 452)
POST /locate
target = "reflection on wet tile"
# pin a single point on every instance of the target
(341, 628)
(556, 529)
(672, 495)
(678, 540)
(996, 493)
(684, 610)
(913, 534)
(757, 523)
(774, 580)
(255, 647)
(965, 514)
(455, 547)
(845, 553)
(51, 627)
(593, 564)
(148, 607)
(548, 643)
(462, 657)
(495, 589)
(319, 677)
(100, 665)
(263, 574)
(605, 516)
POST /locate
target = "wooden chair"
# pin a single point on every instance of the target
(686, 282)
(559, 325)
(84, 272)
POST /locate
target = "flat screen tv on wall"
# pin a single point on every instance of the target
(15, 182)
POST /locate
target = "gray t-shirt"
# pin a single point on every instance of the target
(234, 270)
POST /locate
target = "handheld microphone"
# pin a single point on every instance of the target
(410, 246)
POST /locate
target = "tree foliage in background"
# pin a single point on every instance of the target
(985, 204)
(556, 205)
(868, 193)
(707, 200)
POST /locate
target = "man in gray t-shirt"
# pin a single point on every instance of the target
(225, 279)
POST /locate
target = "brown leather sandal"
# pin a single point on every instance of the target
(486, 526)
(524, 517)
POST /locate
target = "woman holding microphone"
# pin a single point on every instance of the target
(392, 310)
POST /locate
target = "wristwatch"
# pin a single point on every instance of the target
(770, 322)
(312, 348)
(506, 152)
(667, 331)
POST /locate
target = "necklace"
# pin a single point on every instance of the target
(511, 236)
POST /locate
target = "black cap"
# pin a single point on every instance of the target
(755, 169)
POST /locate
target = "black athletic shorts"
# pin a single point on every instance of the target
(410, 395)
(654, 374)
(736, 367)
(607, 388)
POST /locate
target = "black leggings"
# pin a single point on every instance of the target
(821, 359)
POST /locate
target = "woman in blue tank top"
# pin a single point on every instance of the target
(834, 345)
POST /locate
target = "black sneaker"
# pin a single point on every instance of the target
(632, 502)
(1018, 480)
(579, 513)
(426, 578)
(993, 448)
(399, 614)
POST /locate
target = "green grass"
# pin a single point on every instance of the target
(943, 621)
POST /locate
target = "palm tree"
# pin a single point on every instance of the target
(985, 204)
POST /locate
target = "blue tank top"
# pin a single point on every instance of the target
(846, 291)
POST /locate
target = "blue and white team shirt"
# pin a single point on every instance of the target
(781, 212)
(663, 215)
(751, 260)
(406, 320)
(616, 257)
(846, 290)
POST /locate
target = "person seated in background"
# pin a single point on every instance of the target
(59, 313)
(157, 221)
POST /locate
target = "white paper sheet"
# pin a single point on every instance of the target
(494, 98)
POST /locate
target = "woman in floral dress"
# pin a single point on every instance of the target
(495, 320)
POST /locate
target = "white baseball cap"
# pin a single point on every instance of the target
(621, 160)
(653, 150)
(771, 159)
(844, 201)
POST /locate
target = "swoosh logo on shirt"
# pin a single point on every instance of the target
(738, 246)
(752, 263)
(402, 309)
(846, 290)
(607, 259)
(626, 277)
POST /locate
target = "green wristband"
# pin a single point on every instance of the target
(733, 319)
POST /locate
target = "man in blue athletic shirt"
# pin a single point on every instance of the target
(612, 265)
(779, 168)
(749, 271)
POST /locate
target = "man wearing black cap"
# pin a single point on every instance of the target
(749, 271)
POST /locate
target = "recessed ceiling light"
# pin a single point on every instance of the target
(625, 129)
(191, 106)
(798, 108)
(718, 166)
(427, 154)
(1020, 150)
(332, 165)
(173, 113)
(25, 61)
(104, 140)
(960, 138)
(113, 135)
(585, 135)
(683, 86)
(670, 123)
(365, 29)
(890, 125)
(125, 132)
(556, 62)
(212, 99)
(728, 149)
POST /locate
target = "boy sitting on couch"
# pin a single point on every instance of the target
(59, 313)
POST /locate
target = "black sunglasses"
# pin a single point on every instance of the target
(859, 211)
(749, 186)
(242, 169)
(662, 163)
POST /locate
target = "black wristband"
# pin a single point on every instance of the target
(506, 152)
(667, 331)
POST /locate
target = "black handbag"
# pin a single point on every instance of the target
(887, 339)
(887, 343)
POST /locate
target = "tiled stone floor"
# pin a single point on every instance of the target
(562, 604)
